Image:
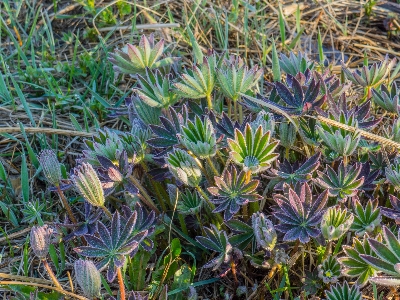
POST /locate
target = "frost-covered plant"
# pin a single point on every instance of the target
(353, 265)
(388, 98)
(365, 219)
(294, 173)
(233, 190)
(225, 127)
(339, 140)
(264, 231)
(199, 82)
(392, 173)
(184, 167)
(156, 89)
(392, 213)
(217, 240)
(329, 270)
(370, 77)
(189, 203)
(199, 137)
(253, 151)
(343, 184)
(50, 166)
(287, 134)
(336, 222)
(265, 120)
(88, 278)
(234, 77)
(386, 258)
(136, 59)
(299, 214)
(112, 245)
(294, 64)
(343, 292)
(40, 239)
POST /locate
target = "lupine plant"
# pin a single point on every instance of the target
(207, 164)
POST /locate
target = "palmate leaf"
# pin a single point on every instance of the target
(232, 191)
(294, 173)
(298, 213)
(298, 102)
(225, 127)
(244, 234)
(354, 265)
(217, 241)
(388, 98)
(343, 184)
(166, 132)
(253, 151)
(387, 256)
(392, 213)
(295, 64)
(329, 270)
(365, 220)
(343, 292)
(113, 245)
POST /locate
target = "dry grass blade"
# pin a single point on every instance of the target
(45, 130)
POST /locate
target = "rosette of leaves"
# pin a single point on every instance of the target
(332, 86)
(392, 213)
(287, 134)
(336, 222)
(339, 140)
(293, 173)
(370, 77)
(312, 283)
(166, 134)
(354, 265)
(264, 231)
(366, 220)
(112, 245)
(329, 270)
(392, 173)
(156, 89)
(343, 292)
(107, 143)
(199, 137)
(216, 240)
(343, 184)
(233, 190)
(294, 64)
(184, 167)
(137, 58)
(299, 99)
(139, 109)
(189, 203)
(234, 77)
(253, 151)
(387, 98)
(116, 175)
(199, 82)
(386, 259)
(298, 213)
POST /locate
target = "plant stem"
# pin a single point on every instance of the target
(183, 224)
(217, 217)
(107, 212)
(209, 102)
(213, 168)
(229, 108)
(121, 284)
(327, 250)
(51, 274)
(66, 205)
(146, 197)
(235, 110)
(240, 114)
(203, 171)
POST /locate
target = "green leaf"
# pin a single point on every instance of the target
(198, 54)
(276, 69)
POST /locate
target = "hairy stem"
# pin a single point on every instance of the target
(51, 274)
(121, 284)
(66, 205)
(209, 102)
(212, 166)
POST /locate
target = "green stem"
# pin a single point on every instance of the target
(183, 224)
(229, 108)
(287, 153)
(203, 171)
(213, 168)
(209, 102)
(328, 250)
(108, 213)
(217, 217)
(51, 274)
(146, 197)
(235, 110)
(240, 113)
(66, 205)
